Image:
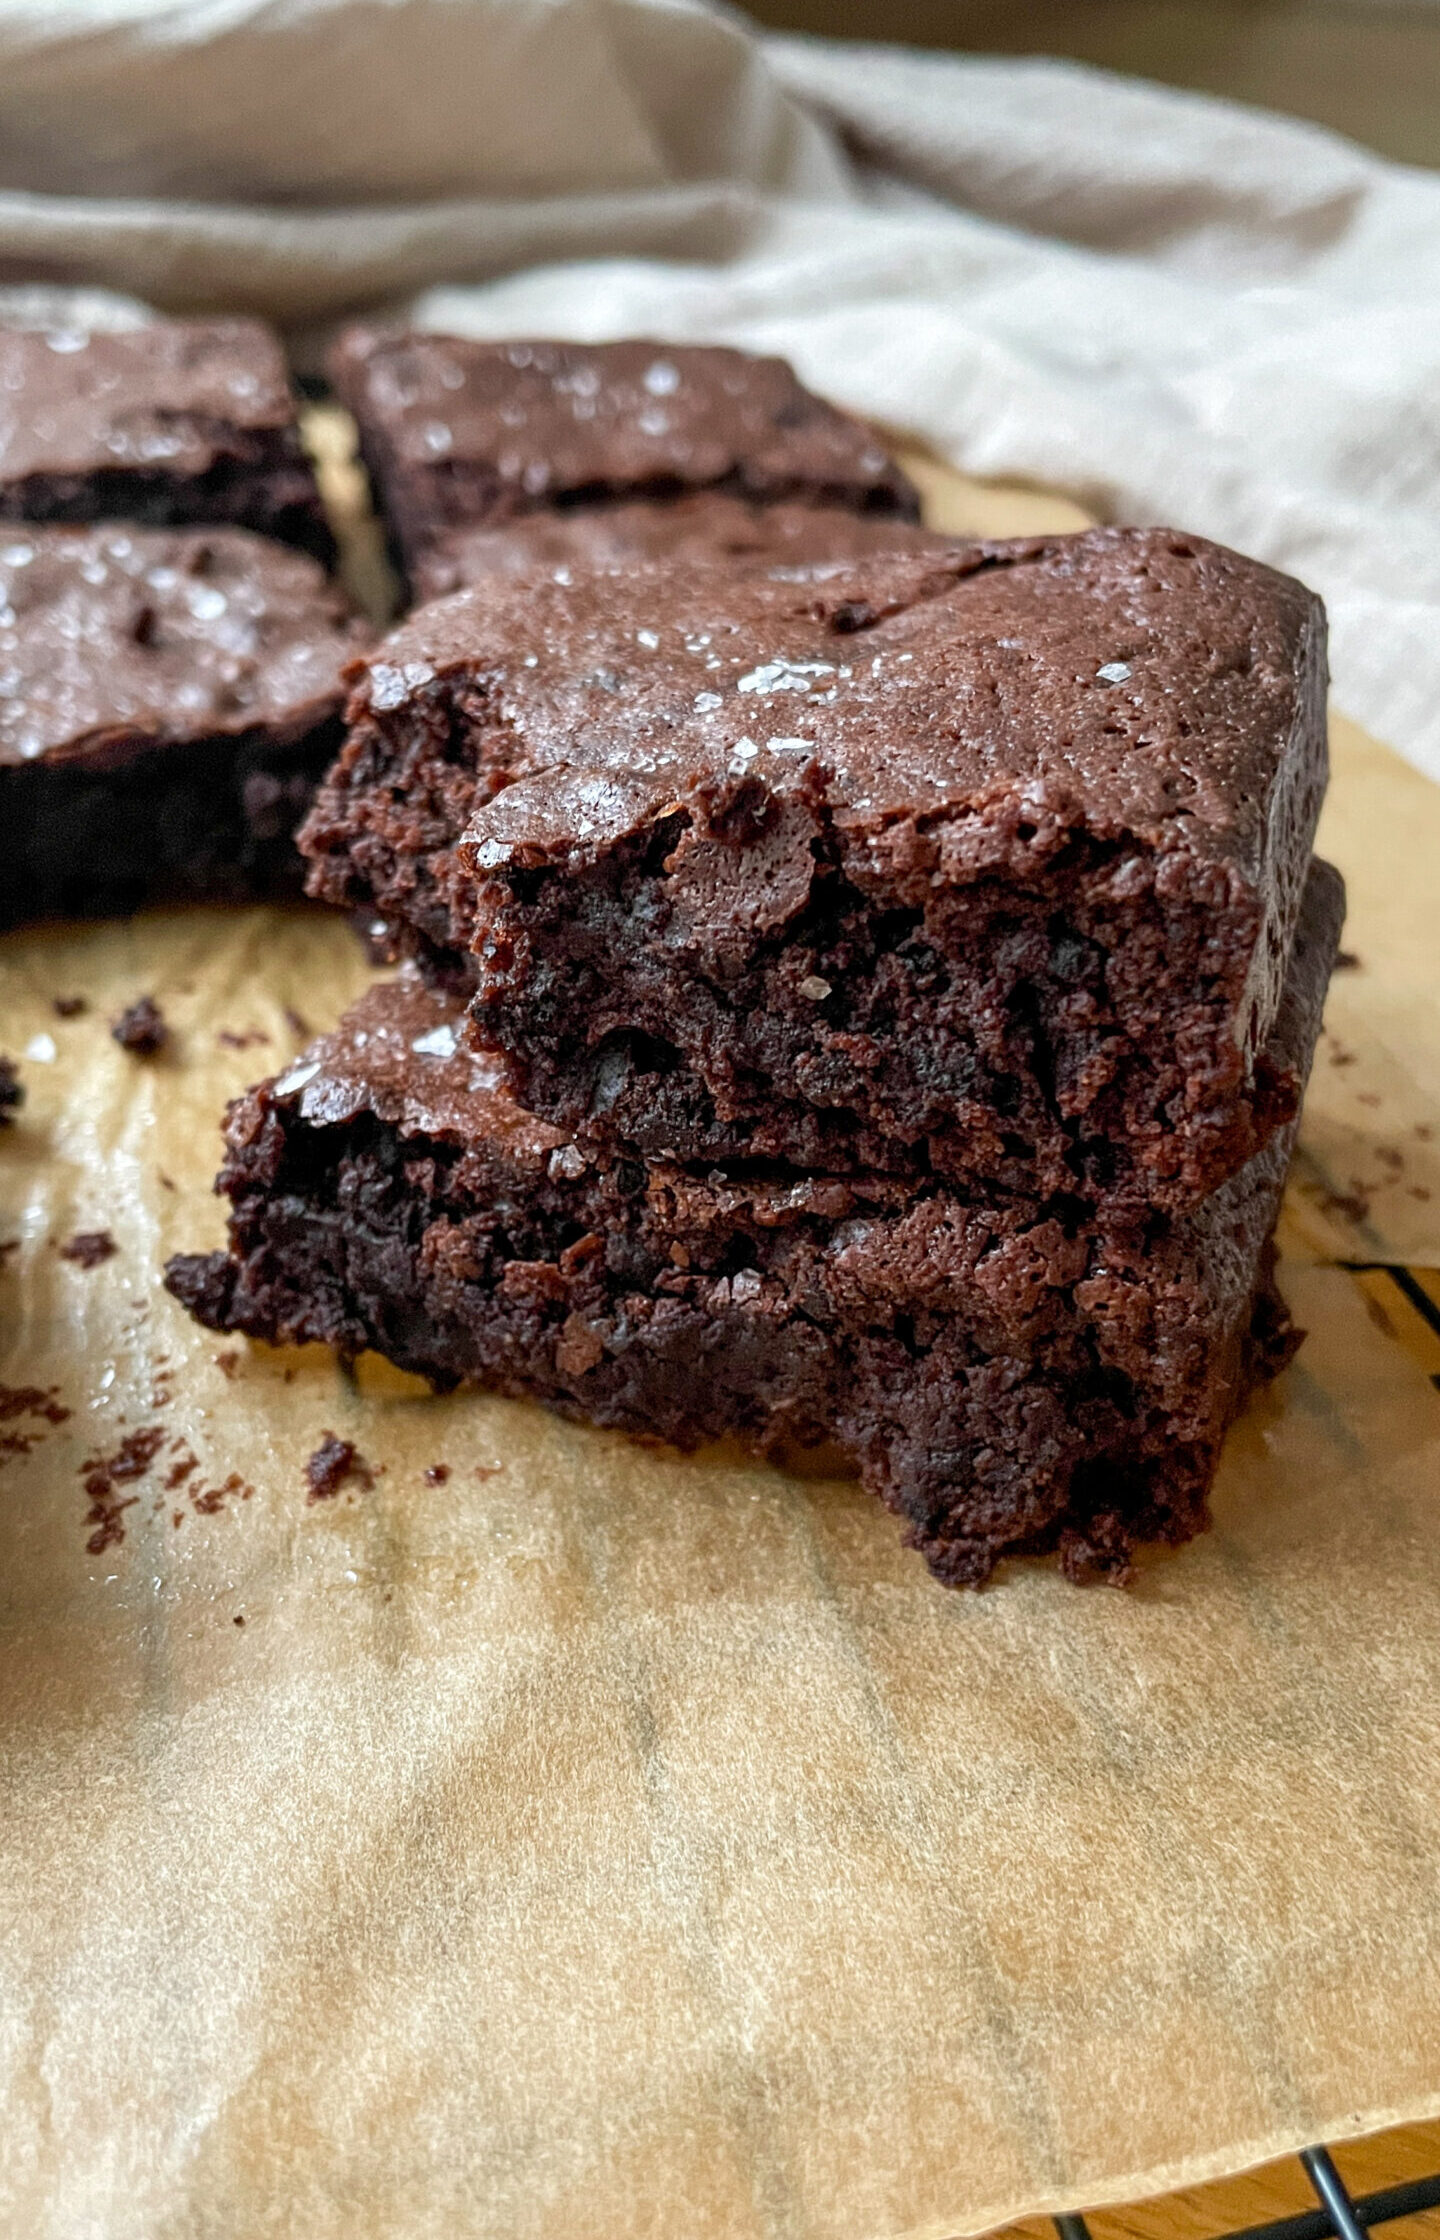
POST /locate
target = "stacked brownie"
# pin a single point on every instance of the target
(170, 643)
(867, 1001)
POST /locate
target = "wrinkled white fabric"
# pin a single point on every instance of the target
(1168, 306)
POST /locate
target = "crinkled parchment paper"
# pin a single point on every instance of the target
(600, 1844)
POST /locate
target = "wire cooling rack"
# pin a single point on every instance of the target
(1340, 2215)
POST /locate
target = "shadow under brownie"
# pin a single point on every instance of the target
(1008, 1376)
(980, 862)
(178, 421)
(168, 701)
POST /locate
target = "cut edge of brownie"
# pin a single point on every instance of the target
(1009, 1378)
(1027, 954)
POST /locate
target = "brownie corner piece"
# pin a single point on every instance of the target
(465, 434)
(171, 423)
(171, 698)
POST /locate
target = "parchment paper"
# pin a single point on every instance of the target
(601, 1844)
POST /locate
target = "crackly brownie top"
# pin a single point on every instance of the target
(558, 420)
(112, 633)
(1127, 681)
(165, 397)
(401, 1054)
(701, 525)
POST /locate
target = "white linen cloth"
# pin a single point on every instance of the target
(1171, 307)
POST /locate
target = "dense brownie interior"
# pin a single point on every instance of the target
(981, 862)
(1008, 1375)
(168, 700)
(178, 421)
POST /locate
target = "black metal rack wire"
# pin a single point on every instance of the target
(1339, 2217)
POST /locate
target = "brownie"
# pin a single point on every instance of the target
(460, 434)
(168, 700)
(12, 1090)
(178, 421)
(1008, 1375)
(702, 525)
(981, 862)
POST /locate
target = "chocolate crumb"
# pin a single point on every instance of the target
(488, 1469)
(333, 1462)
(237, 1621)
(141, 1029)
(298, 1026)
(11, 1093)
(88, 1247)
(102, 1473)
(437, 1474)
(226, 1363)
(1346, 960)
(246, 1040)
(163, 1180)
(70, 1007)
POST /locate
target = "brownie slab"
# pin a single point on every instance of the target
(180, 421)
(703, 525)
(461, 434)
(982, 862)
(1008, 1375)
(168, 700)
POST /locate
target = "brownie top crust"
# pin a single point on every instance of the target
(1129, 681)
(170, 395)
(113, 635)
(701, 525)
(401, 1054)
(503, 427)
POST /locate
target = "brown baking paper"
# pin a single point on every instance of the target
(596, 1844)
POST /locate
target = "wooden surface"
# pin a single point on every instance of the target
(1279, 2190)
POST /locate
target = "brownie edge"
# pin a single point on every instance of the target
(1008, 1378)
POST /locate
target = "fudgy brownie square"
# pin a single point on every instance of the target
(460, 434)
(703, 525)
(982, 862)
(180, 421)
(168, 700)
(1008, 1375)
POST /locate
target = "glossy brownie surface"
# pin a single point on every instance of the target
(172, 422)
(463, 433)
(168, 699)
(702, 525)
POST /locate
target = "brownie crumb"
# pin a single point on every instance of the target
(70, 1007)
(333, 1463)
(226, 1363)
(88, 1247)
(297, 1025)
(246, 1040)
(437, 1474)
(1347, 960)
(237, 1621)
(141, 1029)
(100, 1476)
(11, 1093)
